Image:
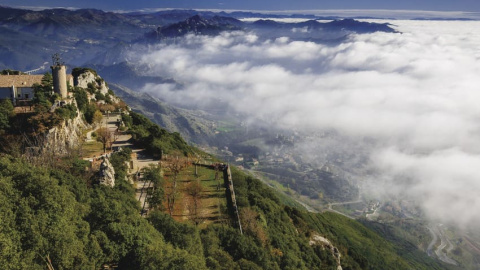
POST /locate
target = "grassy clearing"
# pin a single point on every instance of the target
(93, 148)
(212, 205)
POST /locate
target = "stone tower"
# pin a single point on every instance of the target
(59, 74)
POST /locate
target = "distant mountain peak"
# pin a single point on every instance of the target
(197, 25)
(361, 27)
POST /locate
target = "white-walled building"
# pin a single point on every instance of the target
(19, 88)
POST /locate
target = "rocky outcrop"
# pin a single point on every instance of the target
(325, 243)
(87, 78)
(106, 175)
(65, 137)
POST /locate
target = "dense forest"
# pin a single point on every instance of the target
(59, 217)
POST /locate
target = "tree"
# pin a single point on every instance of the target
(250, 225)
(154, 174)
(44, 96)
(106, 108)
(11, 72)
(218, 167)
(97, 117)
(175, 163)
(43, 121)
(195, 190)
(105, 137)
(81, 98)
(89, 113)
(47, 79)
(120, 106)
(6, 112)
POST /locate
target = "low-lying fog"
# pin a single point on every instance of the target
(415, 96)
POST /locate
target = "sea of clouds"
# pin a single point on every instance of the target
(414, 96)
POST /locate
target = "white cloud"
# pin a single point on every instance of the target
(414, 94)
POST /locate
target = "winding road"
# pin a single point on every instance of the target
(342, 203)
(438, 232)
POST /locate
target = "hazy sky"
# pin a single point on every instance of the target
(440, 5)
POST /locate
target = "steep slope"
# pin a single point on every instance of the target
(193, 126)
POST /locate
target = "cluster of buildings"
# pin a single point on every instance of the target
(20, 88)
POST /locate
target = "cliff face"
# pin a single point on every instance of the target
(67, 136)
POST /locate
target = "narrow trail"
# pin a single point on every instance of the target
(140, 160)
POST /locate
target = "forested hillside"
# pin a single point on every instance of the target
(58, 216)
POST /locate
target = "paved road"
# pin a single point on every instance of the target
(432, 243)
(342, 203)
(438, 232)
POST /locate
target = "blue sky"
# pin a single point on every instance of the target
(435, 5)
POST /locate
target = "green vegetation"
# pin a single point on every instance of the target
(80, 70)
(155, 140)
(49, 213)
(89, 109)
(82, 99)
(6, 114)
(224, 126)
(289, 230)
(157, 194)
(43, 119)
(67, 112)
(44, 96)
(404, 236)
(10, 72)
(92, 148)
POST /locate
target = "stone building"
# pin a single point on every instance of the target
(59, 74)
(18, 88)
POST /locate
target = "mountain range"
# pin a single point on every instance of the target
(89, 36)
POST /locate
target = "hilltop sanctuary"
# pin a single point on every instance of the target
(20, 88)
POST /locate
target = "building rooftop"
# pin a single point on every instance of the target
(20, 80)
